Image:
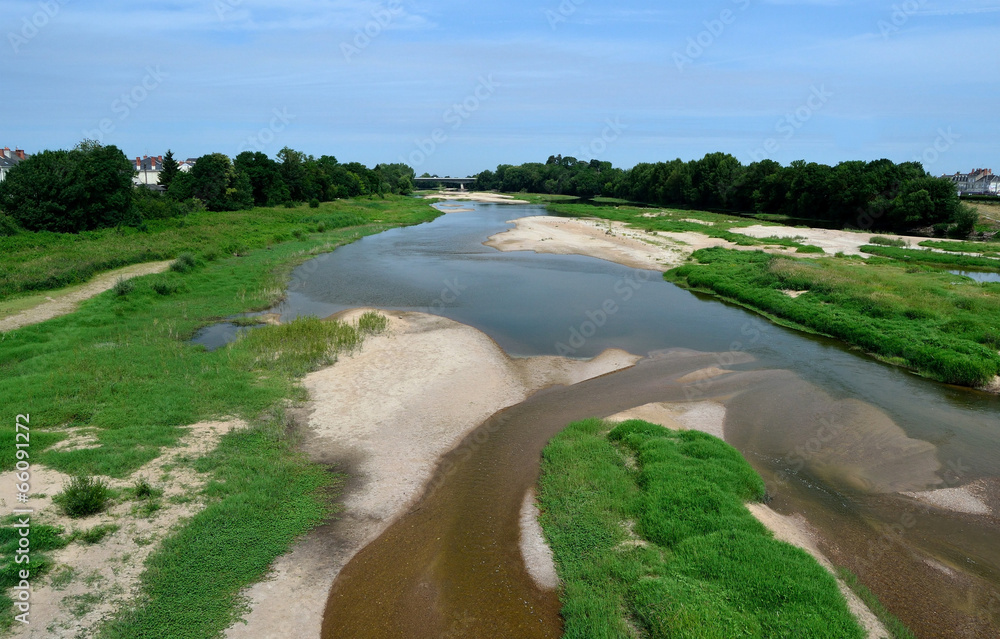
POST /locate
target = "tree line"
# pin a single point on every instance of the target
(877, 195)
(90, 186)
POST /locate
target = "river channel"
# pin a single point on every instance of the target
(841, 439)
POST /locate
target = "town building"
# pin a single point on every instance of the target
(8, 160)
(978, 182)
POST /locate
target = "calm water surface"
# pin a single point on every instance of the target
(837, 435)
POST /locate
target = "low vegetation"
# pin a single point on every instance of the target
(44, 261)
(122, 366)
(84, 496)
(987, 249)
(932, 257)
(44, 538)
(651, 538)
(935, 323)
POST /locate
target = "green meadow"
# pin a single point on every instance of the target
(651, 538)
(122, 365)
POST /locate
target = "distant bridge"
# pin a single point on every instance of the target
(459, 183)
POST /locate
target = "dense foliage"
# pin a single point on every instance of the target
(86, 188)
(868, 195)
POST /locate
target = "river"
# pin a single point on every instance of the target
(837, 436)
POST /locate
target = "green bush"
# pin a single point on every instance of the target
(185, 262)
(163, 287)
(84, 496)
(372, 322)
(123, 287)
(314, 203)
(882, 240)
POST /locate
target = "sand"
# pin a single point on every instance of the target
(831, 241)
(611, 241)
(63, 303)
(90, 582)
(709, 417)
(476, 196)
(535, 551)
(385, 414)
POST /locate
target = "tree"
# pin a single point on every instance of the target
(266, 184)
(215, 181)
(169, 170)
(87, 188)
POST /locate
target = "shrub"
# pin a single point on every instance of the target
(97, 533)
(290, 205)
(83, 496)
(372, 322)
(184, 263)
(314, 203)
(162, 287)
(887, 241)
(123, 287)
(142, 489)
(8, 226)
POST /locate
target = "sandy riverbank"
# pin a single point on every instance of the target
(385, 415)
(58, 303)
(476, 196)
(603, 239)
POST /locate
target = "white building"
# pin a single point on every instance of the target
(8, 160)
(978, 182)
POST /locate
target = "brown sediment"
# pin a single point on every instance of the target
(385, 415)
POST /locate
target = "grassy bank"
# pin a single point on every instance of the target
(933, 258)
(651, 538)
(938, 324)
(121, 365)
(44, 261)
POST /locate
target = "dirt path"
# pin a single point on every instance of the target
(385, 415)
(57, 303)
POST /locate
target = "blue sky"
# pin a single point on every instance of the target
(456, 87)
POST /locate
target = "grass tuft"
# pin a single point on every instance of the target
(123, 287)
(184, 263)
(96, 534)
(84, 496)
(372, 323)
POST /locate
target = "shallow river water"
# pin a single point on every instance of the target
(836, 435)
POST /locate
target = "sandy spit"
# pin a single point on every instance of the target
(709, 417)
(387, 413)
(67, 303)
(476, 196)
(606, 240)
(535, 551)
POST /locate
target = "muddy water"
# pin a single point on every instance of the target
(837, 436)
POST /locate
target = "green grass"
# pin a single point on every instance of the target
(46, 261)
(123, 366)
(987, 249)
(932, 322)
(42, 538)
(651, 538)
(96, 534)
(895, 627)
(931, 257)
